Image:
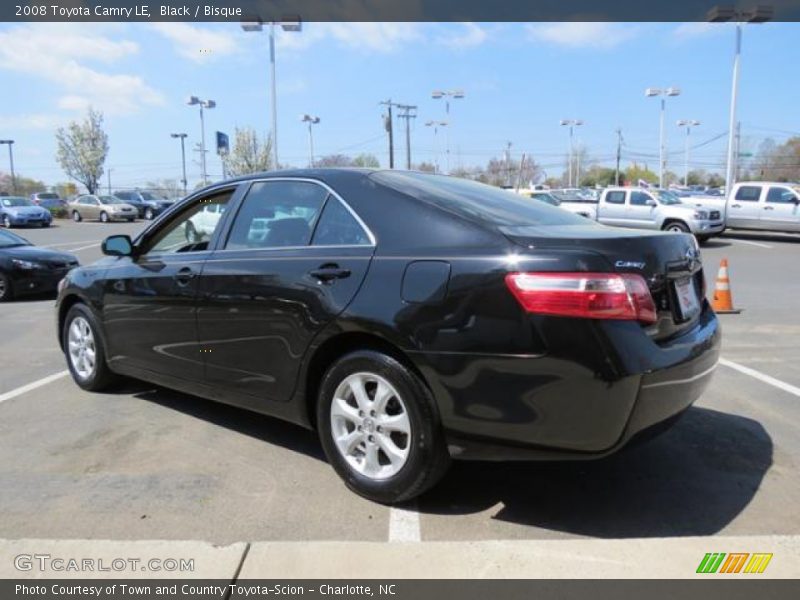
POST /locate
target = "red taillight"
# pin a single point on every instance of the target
(622, 296)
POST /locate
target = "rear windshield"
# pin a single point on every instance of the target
(47, 196)
(476, 201)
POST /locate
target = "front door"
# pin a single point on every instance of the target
(150, 299)
(641, 210)
(293, 260)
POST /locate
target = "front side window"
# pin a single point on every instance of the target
(748, 193)
(15, 202)
(277, 214)
(639, 199)
(192, 229)
(337, 227)
(780, 195)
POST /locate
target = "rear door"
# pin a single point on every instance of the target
(612, 208)
(781, 210)
(744, 209)
(294, 257)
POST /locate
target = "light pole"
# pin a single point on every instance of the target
(688, 123)
(109, 180)
(286, 25)
(311, 120)
(182, 137)
(192, 101)
(662, 93)
(571, 123)
(436, 125)
(11, 164)
(447, 95)
(722, 14)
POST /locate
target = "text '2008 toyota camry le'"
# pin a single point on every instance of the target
(408, 317)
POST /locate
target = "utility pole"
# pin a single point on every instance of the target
(407, 115)
(619, 155)
(737, 151)
(109, 180)
(389, 124)
(508, 163)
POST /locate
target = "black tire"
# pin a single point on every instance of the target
(76, 216)
(702, 239)
(7, 222)
(6, 290)
(102, 377)
(149, 214)
(676, 226)
(46, 224)
(427, 458)
(131, 220)
(104, 217)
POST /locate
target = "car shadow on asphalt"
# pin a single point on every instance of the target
(692, 480)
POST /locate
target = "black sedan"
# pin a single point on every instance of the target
(26, 269)
(408, 317)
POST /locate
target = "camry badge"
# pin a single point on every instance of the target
(629, 264)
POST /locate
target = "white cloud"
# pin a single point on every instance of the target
(582, 35)
(56, 52)
(30, 121)
(470, 36)
(199, 44)
(373, 37)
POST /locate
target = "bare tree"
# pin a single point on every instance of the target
(249, 154)
(168, 188)
(82, 150)
(366, 160)
(334, 160)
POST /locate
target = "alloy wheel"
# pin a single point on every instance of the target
(82, 349)
(370, 425)
(3, 288)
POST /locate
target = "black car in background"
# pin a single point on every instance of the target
(409, 318)
(148, 205)
(26, 269)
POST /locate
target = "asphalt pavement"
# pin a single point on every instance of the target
(146, 463)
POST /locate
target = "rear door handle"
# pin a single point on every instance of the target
(329, 272)
(184, 276)
(769, 208)
(736, 206)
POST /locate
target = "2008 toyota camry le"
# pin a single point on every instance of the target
(409, 318)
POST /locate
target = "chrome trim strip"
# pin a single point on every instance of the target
(679, 381)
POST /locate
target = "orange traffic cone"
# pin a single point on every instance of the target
(723, 301)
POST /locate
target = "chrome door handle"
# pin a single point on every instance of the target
(184, 276)
(736, 206)
(769, 208)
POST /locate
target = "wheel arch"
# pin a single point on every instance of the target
(670, 220)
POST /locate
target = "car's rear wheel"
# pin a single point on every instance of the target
(104, 217)
(7, 222)
(379, 428)
(76, 216)
(149, 214)
(6, 291)
(83, 346)
(676, 226)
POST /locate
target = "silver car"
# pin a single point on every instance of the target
(102, 208)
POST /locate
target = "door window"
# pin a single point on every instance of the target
(748, 193)
(277, 214)
(781, 195)
(615, 197)
(193, 228)
(639, 199)
(338, 227)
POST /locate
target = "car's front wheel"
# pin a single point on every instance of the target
(149, 214)
(676, 226)
(7, 222)
(6, 291)
(104, 217)
(379, 428)
(76, 216)
(83, 346)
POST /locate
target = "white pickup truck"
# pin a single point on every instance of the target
(764, 205)
(657, 209)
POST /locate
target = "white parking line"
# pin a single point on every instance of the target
(759, 244)
(68, 243)
(83, 247)
(404, 524)
(782, 385)
(32, 386)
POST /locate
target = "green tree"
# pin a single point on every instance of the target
(334, 160)
(634, 173)
(368, 161)
(597, 175)
(82, 149)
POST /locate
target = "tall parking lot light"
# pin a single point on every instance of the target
(436, 125)
(571, 123)
(286, 25)
(688, 123)
(11, 164)
(182, 137)
(723, 14)
(447, 95)
(192, 101)
(311, 120)
(662, 93)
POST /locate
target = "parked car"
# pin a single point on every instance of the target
(657, 209)
(16, 211)
(583, 205)
(47, 200)
(103, 208)
(765, 205)
(148, 205)
(408, 317)
(26, 269)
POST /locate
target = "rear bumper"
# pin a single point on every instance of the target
(546, 408)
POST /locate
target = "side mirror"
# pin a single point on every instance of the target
(117, 245)
(651, 202)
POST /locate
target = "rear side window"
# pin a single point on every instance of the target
(615, 197)
(337, 227)
(780, 195)
(748, 193)
(475, 201)
(639, 199)
(277, 214)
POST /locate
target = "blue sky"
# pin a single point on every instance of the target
(519, 81)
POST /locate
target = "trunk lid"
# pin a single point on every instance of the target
(669, 262)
